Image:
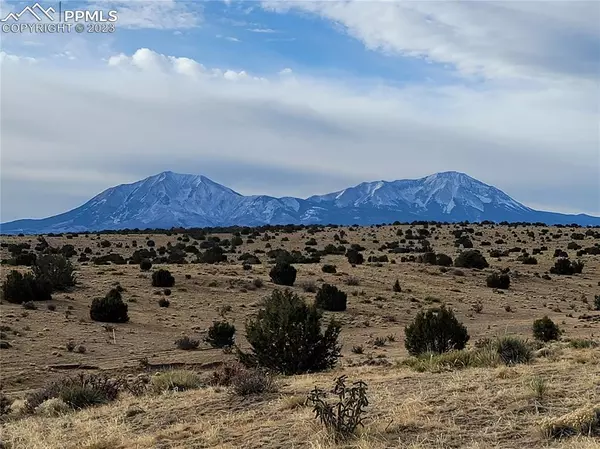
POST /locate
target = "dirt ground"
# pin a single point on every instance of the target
(474, 408)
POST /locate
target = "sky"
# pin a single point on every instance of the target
(295, 98)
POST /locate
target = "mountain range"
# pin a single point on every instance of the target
(170, 199)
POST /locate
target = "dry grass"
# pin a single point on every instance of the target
(475, 407)
(458, 400)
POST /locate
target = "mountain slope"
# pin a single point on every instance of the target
(175, 200)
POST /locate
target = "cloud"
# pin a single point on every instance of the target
(496, 40)
(150, 61)
(158, 14)
(262, 30)
(163, 112)
(14, 59)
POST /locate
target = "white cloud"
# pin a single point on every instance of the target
(538, 141)
(9, 58)
(550, 39)
(156, 14)
(235, 76)
(262, 30)
(150, 61)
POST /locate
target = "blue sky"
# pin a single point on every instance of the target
(301, 98)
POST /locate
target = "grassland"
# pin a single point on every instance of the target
(487, 407)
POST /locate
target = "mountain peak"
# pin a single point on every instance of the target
(170, 199)
(454, 176)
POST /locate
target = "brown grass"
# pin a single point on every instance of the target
(485, 407)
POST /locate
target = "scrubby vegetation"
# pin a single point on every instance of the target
(344, 416)
(471, 259)
(221, 334)
(110, 309)
(162, 278)
(330, 298)
(565, 266)
(181, 358)
(286, 336)
(55, 269)
(283, 274)
(498, 280)
(76, 392)
(435, 330)
(19, 288)
(544, 329)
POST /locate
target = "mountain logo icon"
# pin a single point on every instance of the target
(36, 11)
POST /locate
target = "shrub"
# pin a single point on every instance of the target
(513, 350)
(330, 298)
(78, 392)
(175, 380)
(29, 305)
(82, 396)
(56, 269)
(563, 265)
(529, 260)
(451, 360)
(162, 278)
(498, 280)
(352, 281)
(471, 259)
(345, 415)
(397, 287)
(443, 260)
(252, 381)
(436, 330)
(212, 255)
(579, 343)
(145, 265)
(354, 257)
(19, 288)
(283, 274)
(544, 329)
(164, 302)
(186, 343)
(113, 258)
(225, 374)
(286, 336)
(110, 309)
(26, 259)
(221, 334)
(428, 257)
(597, 302)
(328, 269)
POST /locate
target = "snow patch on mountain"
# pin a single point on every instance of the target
(170, 200)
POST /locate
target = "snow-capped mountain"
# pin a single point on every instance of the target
(175, 200)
